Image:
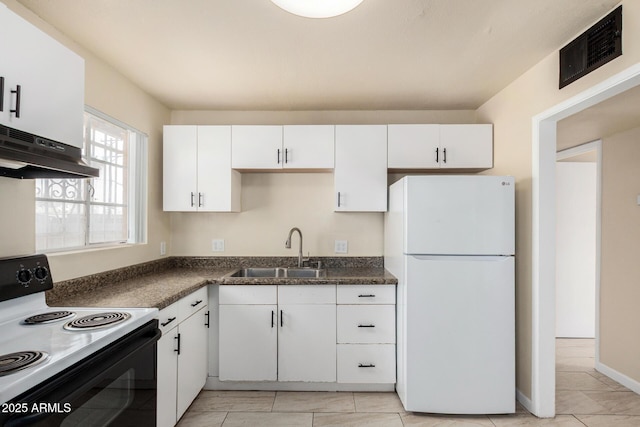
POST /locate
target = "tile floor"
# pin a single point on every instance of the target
(584, 397)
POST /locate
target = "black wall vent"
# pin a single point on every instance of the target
(592, 49)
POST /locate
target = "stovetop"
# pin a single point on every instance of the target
(62, 347)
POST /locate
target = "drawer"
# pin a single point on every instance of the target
(248, 294)
(307, 294)
(366, 324)
(192, 303)
(366, 294)
(367, 363)
(168, 317)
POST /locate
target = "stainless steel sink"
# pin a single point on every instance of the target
(260, 272)
(281, 272)
(305, 272)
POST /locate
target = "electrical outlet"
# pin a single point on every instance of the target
(163, 248)
(217, 245)
(341, 246)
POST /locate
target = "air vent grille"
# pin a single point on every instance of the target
(595, 47)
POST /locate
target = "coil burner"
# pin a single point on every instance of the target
(50, 317)
(95, 321)
(14, 362)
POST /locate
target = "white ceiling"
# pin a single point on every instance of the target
(385, 54)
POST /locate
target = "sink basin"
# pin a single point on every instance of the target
(305, 272)
(281, 272)
(260, 272)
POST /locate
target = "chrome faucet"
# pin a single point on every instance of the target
(287, 244)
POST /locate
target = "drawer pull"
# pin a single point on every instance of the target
(169, 320)
(368, 365)
(196, 303)
(366, 326)
(367, 296)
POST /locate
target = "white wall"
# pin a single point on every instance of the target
(575, 249)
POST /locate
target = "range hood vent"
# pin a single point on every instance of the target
(27, 156)
(592, 49)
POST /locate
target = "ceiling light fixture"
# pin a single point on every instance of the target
(317, 8)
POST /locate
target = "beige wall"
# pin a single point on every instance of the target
(272, 203)
(111, 93)
(620, 271)
(511, 112)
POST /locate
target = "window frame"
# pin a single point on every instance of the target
(136, 155)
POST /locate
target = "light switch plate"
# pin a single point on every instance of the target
(217, 245)
(163, 248)
(341, 246)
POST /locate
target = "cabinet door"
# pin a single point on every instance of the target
(308, 147)
(218, 184)
(414, 146)
(248, 342)
(180, 150)
(167, 379)
(360, 175)
(256, 147)
(466, 146)
(51, 80)
(192, 360)
(307, 343)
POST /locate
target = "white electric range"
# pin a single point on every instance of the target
(41, 345)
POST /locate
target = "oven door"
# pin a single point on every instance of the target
(113, 387)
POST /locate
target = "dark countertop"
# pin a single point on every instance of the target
(161, 288)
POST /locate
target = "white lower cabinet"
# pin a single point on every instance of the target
(366, 334)
(182, 356)
(277, 333)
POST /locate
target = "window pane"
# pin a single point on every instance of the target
(61, 189)
(108, 224)
(60, 225)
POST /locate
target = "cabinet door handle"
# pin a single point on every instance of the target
(286, 155)
(278, 156)
(200, 197)
(437, 152)
(196, 303)
(207, 316)
(281, 319)
(1, 93)
(192, 196)
(17, 110)
(444, 155)
(367, 365)
(366, 326)
(272, 318)
(177, 349)
(338, 199)
(367, 296)
(169, 320)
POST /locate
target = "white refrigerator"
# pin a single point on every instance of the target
(449, 239)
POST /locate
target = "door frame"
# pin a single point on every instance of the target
(543, 231)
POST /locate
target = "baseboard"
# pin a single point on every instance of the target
(626, 381)
(524, 400)
(213, 383)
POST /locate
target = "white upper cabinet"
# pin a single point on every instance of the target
(360, 175)
(283, 147)
(256, 147)
(308, 147)
(42, 82)
(460, 146)
(197, 170)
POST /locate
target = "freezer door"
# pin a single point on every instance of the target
(459, 355)
(459, 215)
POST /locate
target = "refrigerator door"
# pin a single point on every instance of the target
(459, 215)
(459, 355)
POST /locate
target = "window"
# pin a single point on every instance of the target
(109, 210)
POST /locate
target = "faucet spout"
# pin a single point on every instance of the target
(287, 244)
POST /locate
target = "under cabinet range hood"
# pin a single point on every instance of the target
(27, 156)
